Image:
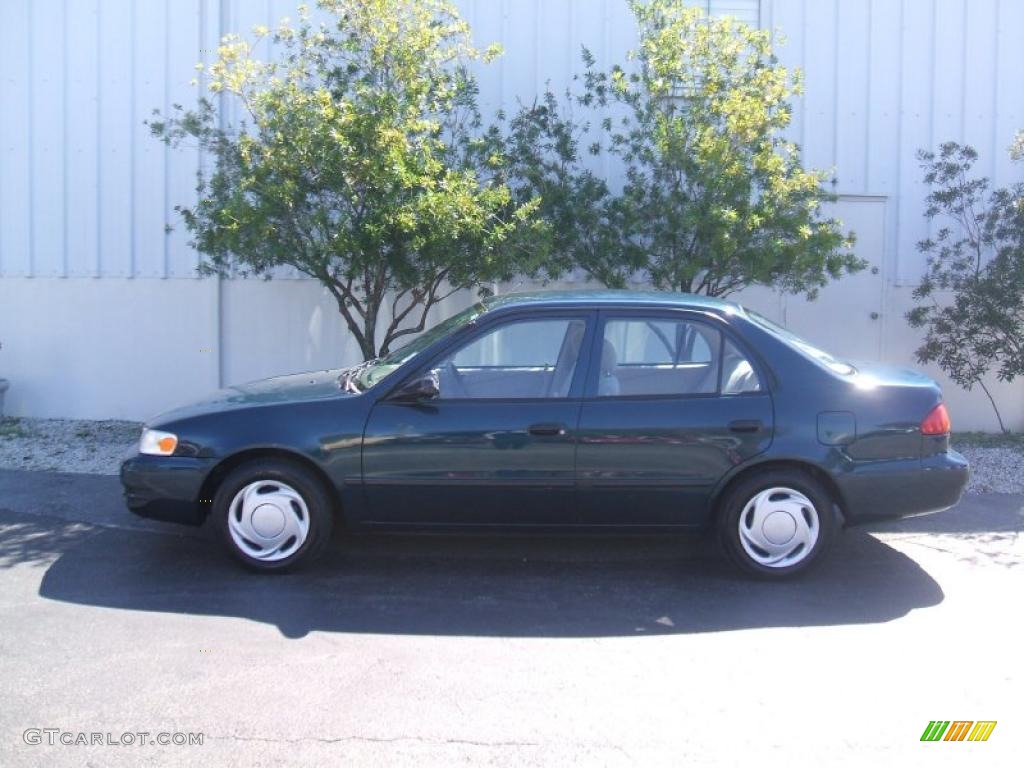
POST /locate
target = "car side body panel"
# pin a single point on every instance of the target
(651, 462)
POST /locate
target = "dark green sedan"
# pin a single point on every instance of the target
(585, 411)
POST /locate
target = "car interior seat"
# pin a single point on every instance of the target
(738, 376)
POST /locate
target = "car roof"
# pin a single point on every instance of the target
(610, 298)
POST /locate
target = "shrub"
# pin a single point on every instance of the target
(978, 259)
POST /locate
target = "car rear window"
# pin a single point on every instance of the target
(803, 346)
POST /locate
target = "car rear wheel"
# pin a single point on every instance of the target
(273, 515)
(777, 523)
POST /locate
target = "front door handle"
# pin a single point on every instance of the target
(546, 430)
(746, 425)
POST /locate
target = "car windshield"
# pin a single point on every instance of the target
(808, 349)
(365, 375)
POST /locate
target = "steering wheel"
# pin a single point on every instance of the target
(451, 375)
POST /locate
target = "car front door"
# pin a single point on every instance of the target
(497, 445)
(671, 404)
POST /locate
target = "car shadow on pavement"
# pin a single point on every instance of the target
(565, 586)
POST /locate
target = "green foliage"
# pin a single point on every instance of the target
(714, 198)
(1017, 148)
(979, 262)
(359, 163)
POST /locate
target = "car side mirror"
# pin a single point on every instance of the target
(425, 387)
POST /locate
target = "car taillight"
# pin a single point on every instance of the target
(937, 421)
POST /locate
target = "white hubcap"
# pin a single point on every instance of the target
(778, 527)
(268, 520)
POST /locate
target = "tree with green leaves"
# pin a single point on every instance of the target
(971, 299)
(359, 162)
(714, 197)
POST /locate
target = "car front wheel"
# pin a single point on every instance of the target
(273, 515)
(777, 523)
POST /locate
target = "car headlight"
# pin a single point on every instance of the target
(157, 443)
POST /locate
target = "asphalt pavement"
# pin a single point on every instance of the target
(511, 650)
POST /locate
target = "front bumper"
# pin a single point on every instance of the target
(166, 487)
(888, 489)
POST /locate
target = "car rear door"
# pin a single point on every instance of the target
(672, 403)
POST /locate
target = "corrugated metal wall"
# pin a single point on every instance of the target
(86, 192)
(885, 78)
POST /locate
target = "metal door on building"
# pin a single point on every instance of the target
(847, 317)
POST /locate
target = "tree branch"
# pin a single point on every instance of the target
(427, 302)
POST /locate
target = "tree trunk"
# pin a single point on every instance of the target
(999, 417)
(368, 343)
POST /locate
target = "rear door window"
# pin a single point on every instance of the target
(658, 356)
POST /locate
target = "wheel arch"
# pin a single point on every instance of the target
(226, 465)
(802, 465)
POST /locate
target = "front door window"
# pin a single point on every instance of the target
(526, 359)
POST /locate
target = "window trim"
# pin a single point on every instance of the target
(688, 315)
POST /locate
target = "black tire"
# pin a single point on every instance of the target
(735, 502)
(316, 498)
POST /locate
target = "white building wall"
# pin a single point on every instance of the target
(101, 314)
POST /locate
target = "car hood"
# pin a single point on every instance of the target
(293, 388)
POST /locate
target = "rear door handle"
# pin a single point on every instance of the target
(546, 430)
(746, 425)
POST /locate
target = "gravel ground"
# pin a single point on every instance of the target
(66, 445)
(97, 447)
(994, 469)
